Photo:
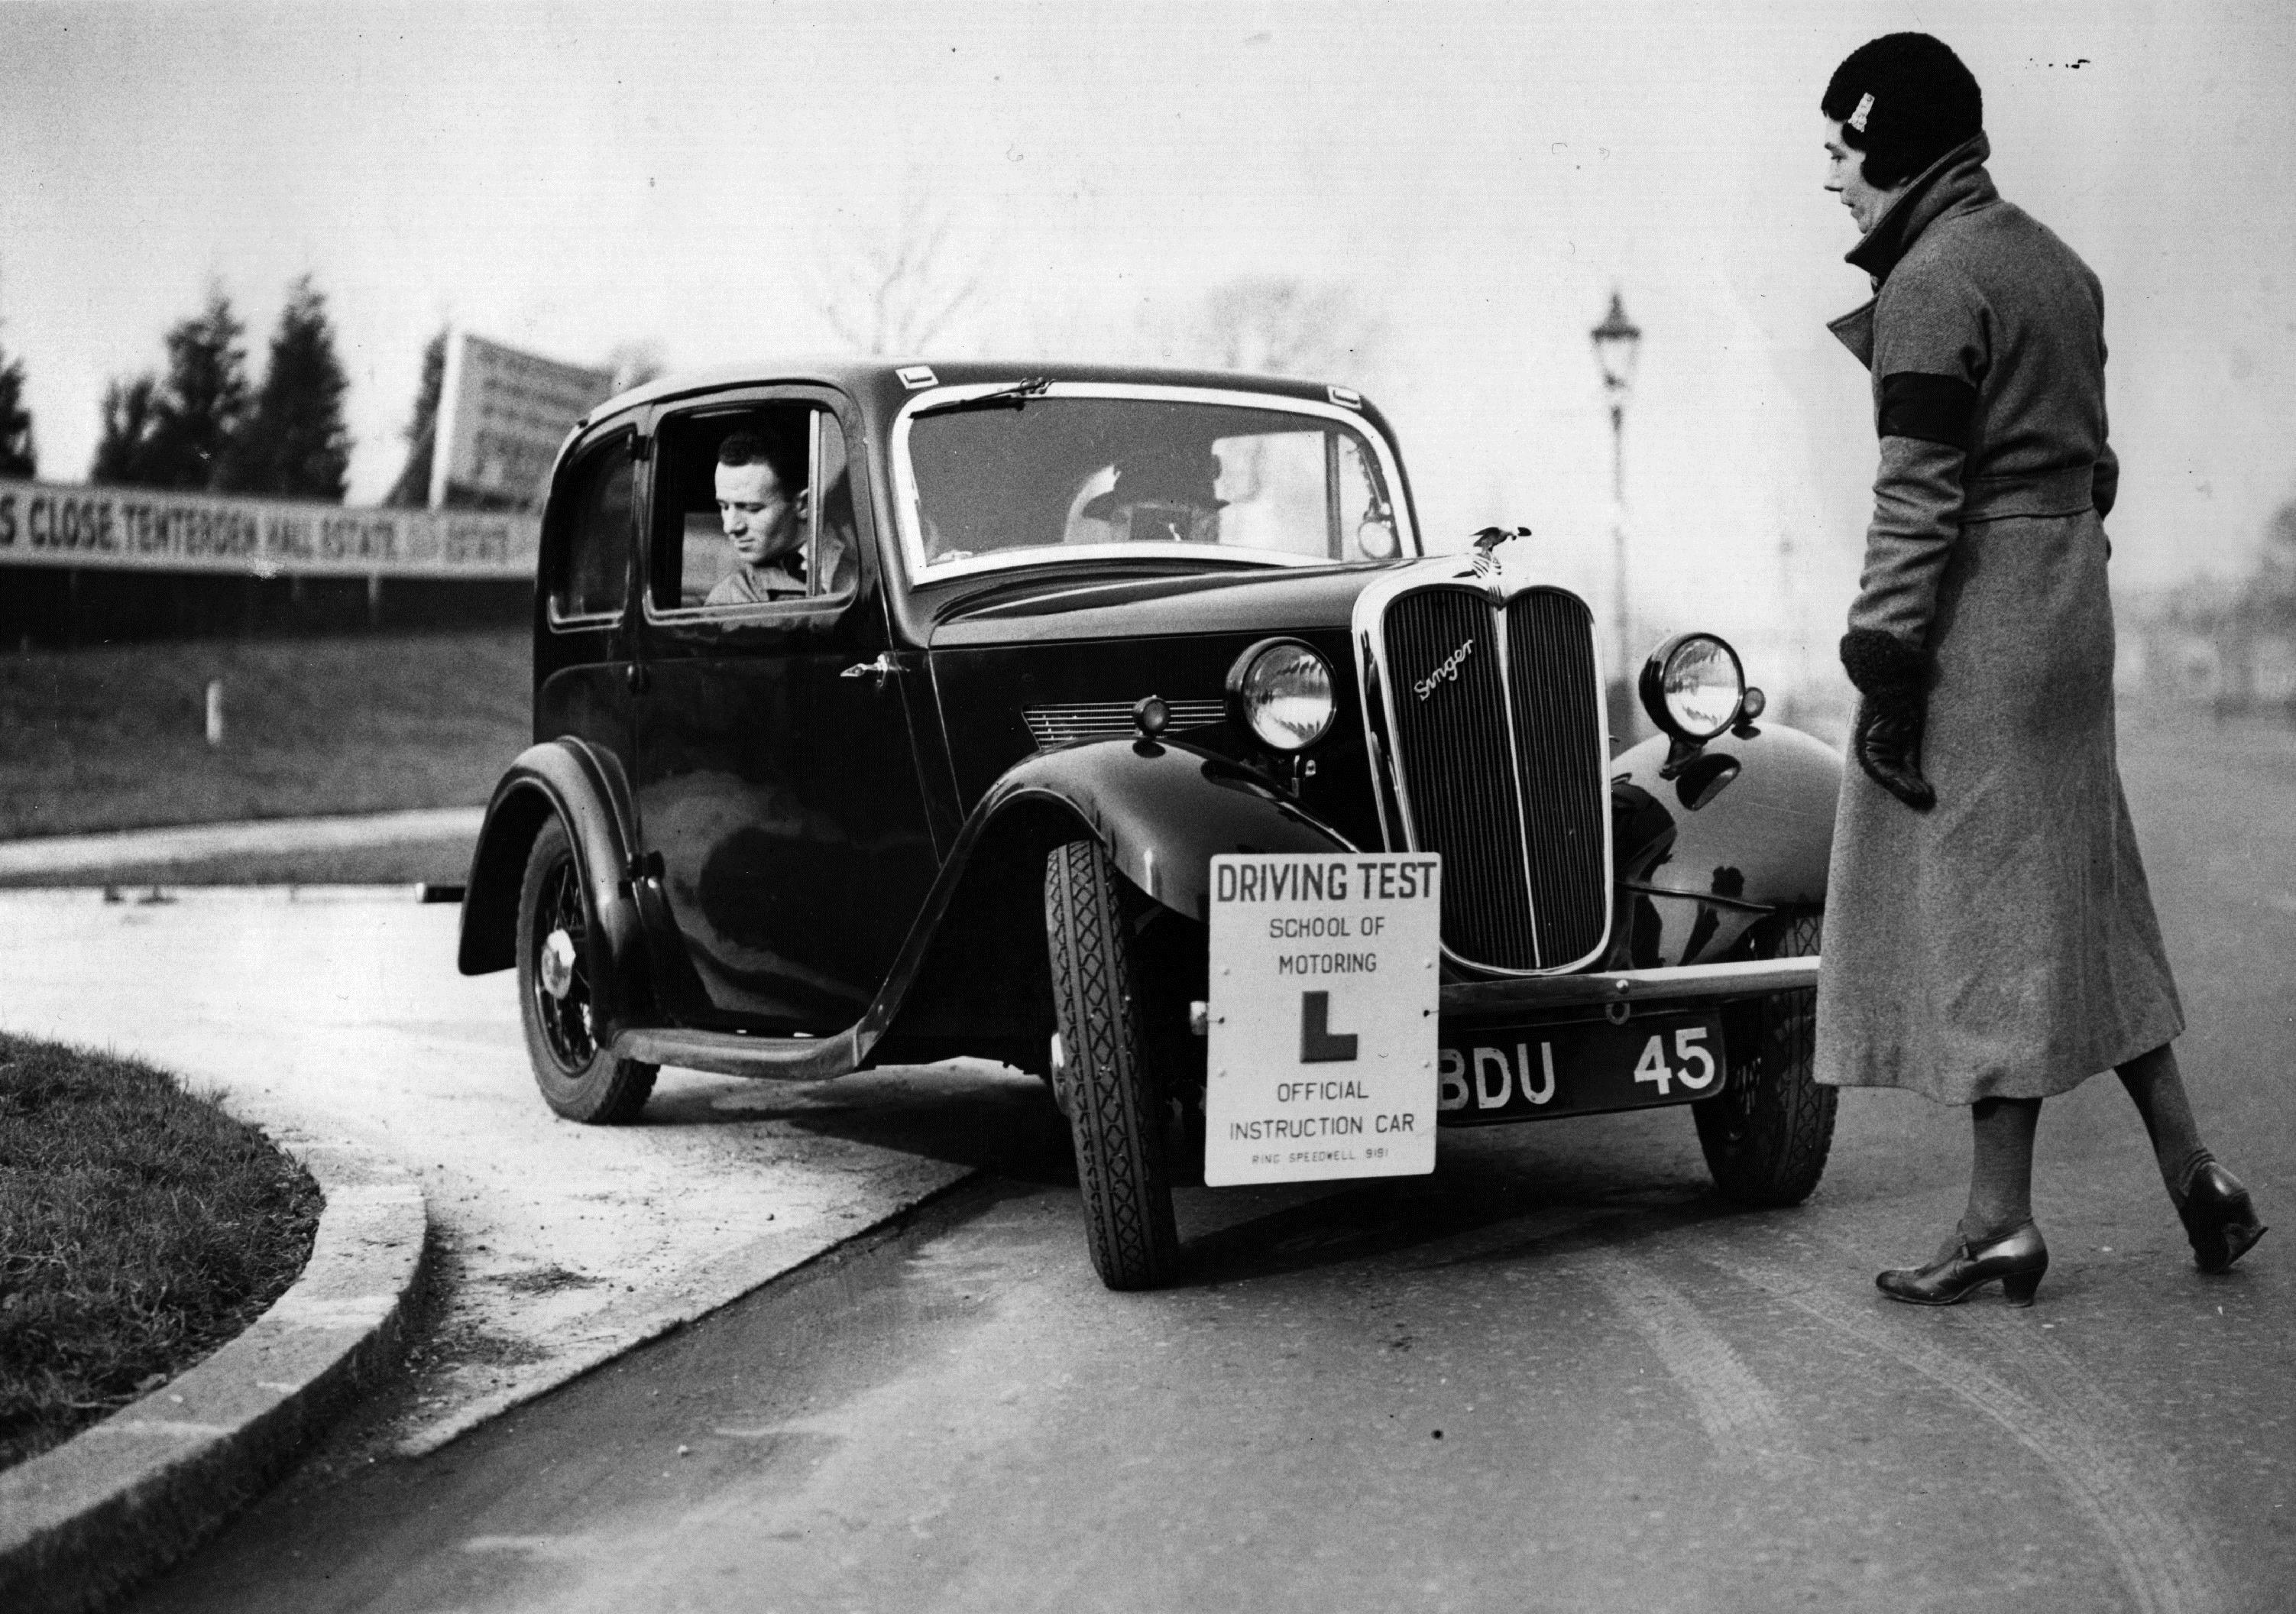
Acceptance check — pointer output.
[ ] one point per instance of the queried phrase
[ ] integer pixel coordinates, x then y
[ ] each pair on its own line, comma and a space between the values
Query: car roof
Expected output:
879, 379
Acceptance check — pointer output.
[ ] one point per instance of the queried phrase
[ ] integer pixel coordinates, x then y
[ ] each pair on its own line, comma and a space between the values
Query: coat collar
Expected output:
1955, 182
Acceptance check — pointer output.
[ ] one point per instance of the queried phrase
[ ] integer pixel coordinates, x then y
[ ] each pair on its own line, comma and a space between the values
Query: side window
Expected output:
753, 507
593, 545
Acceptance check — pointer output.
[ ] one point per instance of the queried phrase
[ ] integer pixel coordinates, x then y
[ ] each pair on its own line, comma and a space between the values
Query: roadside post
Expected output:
1321, 1022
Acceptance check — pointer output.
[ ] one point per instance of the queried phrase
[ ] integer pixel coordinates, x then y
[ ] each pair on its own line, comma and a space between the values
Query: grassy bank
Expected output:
115, 738
140, 1228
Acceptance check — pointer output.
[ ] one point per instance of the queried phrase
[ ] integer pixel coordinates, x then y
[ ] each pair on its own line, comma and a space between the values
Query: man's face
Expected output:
761, 521
1845, 177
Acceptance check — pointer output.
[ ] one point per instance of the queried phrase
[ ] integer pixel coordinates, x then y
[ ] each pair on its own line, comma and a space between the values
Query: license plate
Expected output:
1486, 1073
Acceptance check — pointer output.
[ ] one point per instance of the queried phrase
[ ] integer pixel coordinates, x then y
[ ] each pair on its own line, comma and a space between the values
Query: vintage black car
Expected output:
951, 779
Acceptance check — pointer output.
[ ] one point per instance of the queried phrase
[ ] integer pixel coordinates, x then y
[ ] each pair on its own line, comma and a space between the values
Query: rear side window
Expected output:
753, 506
592, 540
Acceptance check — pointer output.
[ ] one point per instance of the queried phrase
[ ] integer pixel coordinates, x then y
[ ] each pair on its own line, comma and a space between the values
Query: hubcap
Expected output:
558, 964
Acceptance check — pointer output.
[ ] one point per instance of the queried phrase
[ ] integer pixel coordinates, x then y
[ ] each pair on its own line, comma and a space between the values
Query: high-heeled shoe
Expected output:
2218, 1217
2017, 1258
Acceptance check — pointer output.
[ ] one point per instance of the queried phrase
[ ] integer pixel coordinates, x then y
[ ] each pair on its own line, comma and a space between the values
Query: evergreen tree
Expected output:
412, 490
123, 452
17, 455
293, 441
199, 409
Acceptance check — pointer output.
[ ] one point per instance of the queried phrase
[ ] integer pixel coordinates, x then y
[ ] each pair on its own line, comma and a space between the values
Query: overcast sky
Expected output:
573, 178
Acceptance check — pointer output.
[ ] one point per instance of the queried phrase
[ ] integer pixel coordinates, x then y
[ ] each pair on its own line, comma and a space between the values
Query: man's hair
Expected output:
781, 452
745, 449
1922, 103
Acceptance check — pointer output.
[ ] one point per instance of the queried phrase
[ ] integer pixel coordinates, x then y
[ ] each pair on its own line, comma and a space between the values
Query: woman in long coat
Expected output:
1990, 940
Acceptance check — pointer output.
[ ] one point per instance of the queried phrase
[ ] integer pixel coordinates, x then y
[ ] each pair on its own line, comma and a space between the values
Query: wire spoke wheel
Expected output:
557, 976
560, 986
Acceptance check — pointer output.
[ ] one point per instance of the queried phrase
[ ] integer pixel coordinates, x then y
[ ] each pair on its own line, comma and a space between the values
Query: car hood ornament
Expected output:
1486, 557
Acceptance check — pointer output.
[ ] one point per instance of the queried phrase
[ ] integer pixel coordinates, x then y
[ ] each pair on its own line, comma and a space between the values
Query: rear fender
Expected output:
585, 789
1741, 829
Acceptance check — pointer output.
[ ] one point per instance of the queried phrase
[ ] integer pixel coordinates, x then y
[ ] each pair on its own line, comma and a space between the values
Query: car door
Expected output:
777, 798
583, 669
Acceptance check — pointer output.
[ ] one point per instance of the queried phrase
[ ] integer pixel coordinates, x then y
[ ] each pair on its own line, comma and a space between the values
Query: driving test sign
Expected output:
1321, 1019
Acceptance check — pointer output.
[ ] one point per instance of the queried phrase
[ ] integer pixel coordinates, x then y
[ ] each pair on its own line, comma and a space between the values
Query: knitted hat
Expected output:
1905, 100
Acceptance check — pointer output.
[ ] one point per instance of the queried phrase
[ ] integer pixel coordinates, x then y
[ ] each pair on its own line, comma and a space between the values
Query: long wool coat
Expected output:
2002, 943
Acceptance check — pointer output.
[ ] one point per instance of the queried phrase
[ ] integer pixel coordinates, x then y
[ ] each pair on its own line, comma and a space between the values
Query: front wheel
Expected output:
580, 1076
1114, 1100
1766, 1134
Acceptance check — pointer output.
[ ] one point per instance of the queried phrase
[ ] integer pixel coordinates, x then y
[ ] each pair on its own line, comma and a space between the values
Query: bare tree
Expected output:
1279, 325
898, 287
634, 363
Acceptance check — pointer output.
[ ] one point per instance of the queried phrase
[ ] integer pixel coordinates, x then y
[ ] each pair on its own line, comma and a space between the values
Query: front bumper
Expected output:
1634, 988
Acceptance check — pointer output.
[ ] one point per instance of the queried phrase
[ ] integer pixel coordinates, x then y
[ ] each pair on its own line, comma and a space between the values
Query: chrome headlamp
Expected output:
1693, 687
1280, 691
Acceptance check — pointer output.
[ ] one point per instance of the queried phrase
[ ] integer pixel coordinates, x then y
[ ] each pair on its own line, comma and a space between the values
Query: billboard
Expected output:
144, 529
502, 416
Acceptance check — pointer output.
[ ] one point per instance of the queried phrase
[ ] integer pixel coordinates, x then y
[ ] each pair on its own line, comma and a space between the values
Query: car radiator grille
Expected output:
1052, 726
1499, 761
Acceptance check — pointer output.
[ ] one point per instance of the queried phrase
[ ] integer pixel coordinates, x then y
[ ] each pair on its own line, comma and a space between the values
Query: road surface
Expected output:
1556, 1375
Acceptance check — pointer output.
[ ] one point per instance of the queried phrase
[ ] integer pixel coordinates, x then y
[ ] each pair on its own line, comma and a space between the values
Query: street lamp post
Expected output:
1618, 342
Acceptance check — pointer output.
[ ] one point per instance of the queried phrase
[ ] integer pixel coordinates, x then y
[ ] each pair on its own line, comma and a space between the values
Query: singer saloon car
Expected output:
888, 713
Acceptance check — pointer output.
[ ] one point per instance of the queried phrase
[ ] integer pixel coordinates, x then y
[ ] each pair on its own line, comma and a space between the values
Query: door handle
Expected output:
876, 671
637, 679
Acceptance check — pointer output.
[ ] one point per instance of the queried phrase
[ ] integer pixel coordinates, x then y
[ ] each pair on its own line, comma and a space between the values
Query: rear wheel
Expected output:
1115, 1105
1766, 1134
557, 958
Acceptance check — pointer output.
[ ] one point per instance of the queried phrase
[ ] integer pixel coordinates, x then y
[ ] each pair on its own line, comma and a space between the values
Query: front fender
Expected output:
974, 962
585, 789
1743, 827
1163, 810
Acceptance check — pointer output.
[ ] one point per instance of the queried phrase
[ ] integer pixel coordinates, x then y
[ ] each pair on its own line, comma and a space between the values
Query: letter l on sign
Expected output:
1318, 1044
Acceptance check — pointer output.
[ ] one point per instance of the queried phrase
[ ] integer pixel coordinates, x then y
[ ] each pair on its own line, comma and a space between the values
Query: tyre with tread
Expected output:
578, 1075
1117, 1112
1767, 1133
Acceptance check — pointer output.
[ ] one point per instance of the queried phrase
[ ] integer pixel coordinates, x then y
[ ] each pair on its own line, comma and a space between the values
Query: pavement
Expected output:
337, 1014
64, 854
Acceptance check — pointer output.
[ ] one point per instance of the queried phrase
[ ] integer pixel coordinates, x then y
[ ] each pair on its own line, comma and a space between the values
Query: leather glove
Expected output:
1888, 746
1892, 677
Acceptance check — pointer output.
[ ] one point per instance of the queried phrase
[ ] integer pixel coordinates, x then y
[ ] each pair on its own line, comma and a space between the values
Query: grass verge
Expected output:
141, 1227
114, 738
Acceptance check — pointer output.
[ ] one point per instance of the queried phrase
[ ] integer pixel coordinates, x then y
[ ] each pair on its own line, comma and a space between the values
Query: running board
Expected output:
730, 1054
1687, 982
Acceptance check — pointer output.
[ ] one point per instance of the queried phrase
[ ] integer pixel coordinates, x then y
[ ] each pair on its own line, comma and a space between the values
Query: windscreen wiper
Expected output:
1015, 395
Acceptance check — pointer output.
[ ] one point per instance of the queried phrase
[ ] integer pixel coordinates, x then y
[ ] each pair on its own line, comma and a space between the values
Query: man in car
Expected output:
766, 522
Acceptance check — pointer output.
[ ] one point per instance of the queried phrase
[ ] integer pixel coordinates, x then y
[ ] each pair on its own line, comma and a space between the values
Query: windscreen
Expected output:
1049, 475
